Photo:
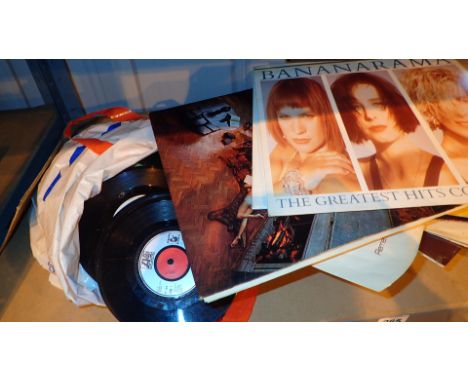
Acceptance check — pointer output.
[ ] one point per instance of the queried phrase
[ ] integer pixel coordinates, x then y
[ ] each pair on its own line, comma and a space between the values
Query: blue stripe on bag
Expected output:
111, 127
73, 157
76, 154
54, 182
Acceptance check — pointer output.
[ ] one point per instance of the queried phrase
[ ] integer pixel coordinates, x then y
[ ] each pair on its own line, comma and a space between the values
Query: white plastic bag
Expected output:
75, 175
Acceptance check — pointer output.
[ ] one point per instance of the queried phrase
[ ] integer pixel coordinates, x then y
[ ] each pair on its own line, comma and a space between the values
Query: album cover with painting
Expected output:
206, 152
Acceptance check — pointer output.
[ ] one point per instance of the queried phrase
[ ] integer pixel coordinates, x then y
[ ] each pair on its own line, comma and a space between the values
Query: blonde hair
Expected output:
428, 86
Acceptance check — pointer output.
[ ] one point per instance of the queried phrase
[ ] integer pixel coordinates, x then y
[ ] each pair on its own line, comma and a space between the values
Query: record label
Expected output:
163, 265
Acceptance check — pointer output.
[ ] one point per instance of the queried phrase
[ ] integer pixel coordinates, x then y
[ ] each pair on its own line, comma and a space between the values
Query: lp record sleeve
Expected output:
143, 179
142, 268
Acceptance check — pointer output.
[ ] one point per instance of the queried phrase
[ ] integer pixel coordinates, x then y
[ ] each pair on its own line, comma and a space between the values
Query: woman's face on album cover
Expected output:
373, 115
452, 111
301, 128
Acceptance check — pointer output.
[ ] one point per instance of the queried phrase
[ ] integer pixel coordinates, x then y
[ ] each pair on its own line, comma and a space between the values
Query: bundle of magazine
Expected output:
339, 166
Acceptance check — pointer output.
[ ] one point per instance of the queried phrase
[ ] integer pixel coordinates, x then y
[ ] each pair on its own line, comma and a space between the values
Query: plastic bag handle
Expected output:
120, 114
115, 113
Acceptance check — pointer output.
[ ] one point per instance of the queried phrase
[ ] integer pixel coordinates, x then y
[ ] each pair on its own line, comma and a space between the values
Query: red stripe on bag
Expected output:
241, 307
120, 114
95, 145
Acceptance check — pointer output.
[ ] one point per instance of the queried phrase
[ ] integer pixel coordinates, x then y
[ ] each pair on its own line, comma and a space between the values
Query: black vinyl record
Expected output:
143, 179
142, 268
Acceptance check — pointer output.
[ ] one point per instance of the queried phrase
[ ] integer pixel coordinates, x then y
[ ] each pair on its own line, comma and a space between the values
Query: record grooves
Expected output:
131, 257
144, 178
131, 245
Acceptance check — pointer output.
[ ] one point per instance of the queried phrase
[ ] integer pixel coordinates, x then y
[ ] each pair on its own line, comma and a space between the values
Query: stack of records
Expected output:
350, 167
340, 166
131, 245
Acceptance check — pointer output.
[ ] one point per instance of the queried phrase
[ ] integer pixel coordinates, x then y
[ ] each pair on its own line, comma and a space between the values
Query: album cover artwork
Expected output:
439, 250
206, 152
362, 135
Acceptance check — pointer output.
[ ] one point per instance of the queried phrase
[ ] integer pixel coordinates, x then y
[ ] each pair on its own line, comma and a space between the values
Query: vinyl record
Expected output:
143, 179
142, 268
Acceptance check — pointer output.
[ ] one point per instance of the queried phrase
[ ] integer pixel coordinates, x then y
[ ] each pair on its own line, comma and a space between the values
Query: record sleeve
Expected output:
206, 152
362, 135
438, 249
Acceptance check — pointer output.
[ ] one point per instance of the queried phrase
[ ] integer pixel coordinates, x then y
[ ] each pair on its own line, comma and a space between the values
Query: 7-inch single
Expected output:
142, 268
144, 178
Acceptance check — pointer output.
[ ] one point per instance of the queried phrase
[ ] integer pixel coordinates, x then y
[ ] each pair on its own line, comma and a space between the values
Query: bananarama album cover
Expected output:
206, 152
361, 135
